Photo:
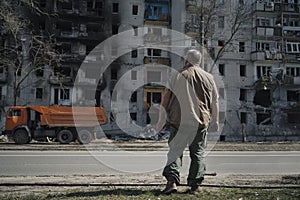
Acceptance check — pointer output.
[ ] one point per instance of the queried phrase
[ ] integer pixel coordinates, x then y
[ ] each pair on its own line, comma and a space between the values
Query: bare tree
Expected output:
27, 50
207, 12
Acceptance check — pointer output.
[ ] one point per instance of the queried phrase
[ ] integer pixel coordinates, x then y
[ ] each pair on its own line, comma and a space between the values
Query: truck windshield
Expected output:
14, 113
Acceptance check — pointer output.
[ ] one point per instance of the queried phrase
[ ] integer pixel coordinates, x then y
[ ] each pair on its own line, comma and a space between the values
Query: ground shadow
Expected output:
107, 192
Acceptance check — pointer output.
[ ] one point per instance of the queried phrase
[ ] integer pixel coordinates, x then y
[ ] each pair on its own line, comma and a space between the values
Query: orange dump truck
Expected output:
65, 124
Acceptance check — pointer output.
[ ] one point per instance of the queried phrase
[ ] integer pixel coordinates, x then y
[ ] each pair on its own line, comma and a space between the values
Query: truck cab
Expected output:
16, 124
15, 117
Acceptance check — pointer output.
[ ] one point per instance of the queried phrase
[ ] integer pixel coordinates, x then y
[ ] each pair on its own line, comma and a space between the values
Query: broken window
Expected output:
293, 95
241, 47
243, 117
94, 5
222, 69
156, 97
221, 43
135, 9
39, 93
134, 53
153, 97
64, 94
242, 70
263, 118
115, 29
293, 47
133, 116
260, 46
263, 71
294, 118
115, 8
263, 98
154, 52
293, 71
243, 95
62, 71
39, 72
133, 97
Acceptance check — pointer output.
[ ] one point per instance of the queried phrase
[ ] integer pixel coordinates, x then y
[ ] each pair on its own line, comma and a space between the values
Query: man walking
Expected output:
191, 104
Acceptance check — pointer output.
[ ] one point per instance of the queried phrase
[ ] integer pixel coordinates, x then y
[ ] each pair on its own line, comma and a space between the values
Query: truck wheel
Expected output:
21, 137
84, 137
65, 136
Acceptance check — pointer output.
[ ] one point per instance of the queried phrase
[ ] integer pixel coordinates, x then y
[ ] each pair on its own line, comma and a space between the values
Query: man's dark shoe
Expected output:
170, 188
194, 189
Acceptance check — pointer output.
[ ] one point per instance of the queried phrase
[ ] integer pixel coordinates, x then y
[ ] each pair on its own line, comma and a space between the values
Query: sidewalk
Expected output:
148, 145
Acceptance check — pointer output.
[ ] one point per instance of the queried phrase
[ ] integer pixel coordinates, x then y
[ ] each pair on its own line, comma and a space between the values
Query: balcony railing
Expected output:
60, 79
151, 37
266, 55
157, 60
72, 57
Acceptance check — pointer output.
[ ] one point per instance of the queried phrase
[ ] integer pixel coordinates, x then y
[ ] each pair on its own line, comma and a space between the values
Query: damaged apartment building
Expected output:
275, 93
76, 27
155, 16
260, 69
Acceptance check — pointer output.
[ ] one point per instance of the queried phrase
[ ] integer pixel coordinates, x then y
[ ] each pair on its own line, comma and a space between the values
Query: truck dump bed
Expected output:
56, 116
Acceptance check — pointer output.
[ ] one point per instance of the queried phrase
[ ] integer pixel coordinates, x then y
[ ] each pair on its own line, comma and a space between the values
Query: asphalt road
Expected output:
38, 163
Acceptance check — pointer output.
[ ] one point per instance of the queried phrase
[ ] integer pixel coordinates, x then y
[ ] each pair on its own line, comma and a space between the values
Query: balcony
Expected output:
67, 33
151, 37
72, 57
263, 31
266, 55
191, 6
57, 80
192, 29
292, 57
290, 80
157, 13
86, 81
157, 60
263, 6
156, 23
289, 7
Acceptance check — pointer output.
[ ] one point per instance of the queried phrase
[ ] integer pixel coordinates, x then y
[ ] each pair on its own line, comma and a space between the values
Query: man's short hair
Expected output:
193, 56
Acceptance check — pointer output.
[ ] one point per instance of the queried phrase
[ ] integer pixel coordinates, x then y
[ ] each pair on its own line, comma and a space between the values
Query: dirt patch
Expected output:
143, 181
